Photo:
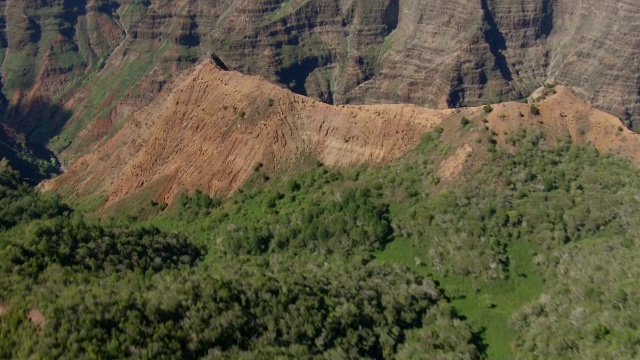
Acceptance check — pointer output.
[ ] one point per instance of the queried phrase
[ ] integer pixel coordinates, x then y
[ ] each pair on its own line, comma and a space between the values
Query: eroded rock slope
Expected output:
212, 129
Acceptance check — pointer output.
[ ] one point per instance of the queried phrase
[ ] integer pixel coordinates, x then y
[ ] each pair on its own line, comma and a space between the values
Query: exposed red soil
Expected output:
209, 129
563, 113
36, 318
452, 166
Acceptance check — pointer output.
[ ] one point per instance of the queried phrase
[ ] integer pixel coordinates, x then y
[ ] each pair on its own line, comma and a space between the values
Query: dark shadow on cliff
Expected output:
72, 10
391, 16
546, 23
22, 158
109, 8
496, 41
295, 75
35, 31
189, 35
457, 91
25, 131
219, 63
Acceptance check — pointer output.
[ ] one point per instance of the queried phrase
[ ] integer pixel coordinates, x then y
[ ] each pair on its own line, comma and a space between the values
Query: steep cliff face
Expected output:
453, 53
75, 69
48, 49
596, 49
437, 53
316, 48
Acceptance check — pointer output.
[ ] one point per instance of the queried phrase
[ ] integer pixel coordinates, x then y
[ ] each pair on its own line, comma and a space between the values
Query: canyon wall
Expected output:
73, 70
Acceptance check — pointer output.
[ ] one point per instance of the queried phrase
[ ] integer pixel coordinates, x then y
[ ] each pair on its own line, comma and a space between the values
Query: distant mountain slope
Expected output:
212, 129
103, 59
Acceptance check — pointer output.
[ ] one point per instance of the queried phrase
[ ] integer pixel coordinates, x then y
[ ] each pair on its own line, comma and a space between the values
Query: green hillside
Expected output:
529, 254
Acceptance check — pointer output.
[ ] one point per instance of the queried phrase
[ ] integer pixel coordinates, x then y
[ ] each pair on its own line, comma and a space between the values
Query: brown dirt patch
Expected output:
564, 114
36, 317
451, 167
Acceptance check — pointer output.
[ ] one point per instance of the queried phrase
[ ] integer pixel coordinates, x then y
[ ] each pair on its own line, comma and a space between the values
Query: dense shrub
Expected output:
534, 109
288, 270
94, 248
306, 311
19, 202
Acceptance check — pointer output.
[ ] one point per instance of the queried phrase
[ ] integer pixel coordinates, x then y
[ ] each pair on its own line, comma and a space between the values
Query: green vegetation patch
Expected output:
529, 255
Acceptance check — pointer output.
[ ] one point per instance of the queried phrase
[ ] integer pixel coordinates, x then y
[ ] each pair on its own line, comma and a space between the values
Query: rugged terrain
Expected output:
215, 127
209, 209
496, 236
69, 63
212, 129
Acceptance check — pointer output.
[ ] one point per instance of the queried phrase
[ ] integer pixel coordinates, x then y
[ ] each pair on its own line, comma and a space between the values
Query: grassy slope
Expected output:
488, 305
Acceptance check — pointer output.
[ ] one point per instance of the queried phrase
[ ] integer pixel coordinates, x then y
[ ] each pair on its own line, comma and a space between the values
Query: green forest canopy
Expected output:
530, 255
